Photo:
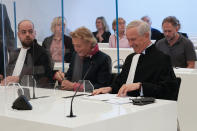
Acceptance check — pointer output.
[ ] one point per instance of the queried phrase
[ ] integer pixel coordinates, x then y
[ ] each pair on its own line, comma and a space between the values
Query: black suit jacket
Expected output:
67, 43
36, 56
154, 71
156, 34
105, 36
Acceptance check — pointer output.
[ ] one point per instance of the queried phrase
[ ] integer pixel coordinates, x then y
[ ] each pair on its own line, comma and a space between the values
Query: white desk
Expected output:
187, 106
49, 114
112, 52
183, 71
103, 45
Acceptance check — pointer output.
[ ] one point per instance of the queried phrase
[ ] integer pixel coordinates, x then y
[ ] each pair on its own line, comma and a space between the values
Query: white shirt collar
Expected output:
143, 52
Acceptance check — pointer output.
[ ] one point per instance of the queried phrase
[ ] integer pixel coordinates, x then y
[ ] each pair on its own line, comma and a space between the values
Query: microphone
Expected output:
71, 103
22, 102
120, 65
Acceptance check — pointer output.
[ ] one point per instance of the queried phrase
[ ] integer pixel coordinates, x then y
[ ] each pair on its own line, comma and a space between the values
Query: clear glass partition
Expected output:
76, 14
22, 59
7, 41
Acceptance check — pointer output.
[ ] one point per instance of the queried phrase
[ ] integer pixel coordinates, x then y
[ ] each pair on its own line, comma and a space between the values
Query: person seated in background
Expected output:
87, 56
30, 59
153, 76
179, 27
102, 34
179, 48
123, 42
155, 34
53, 43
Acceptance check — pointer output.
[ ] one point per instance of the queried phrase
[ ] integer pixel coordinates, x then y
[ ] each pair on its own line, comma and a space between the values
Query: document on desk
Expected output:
110, 98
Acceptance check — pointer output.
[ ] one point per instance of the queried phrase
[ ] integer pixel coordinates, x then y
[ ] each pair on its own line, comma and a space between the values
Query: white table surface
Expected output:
50, 114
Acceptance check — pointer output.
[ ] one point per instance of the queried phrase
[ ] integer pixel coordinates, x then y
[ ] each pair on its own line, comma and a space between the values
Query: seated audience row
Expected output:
104, 36
156, 34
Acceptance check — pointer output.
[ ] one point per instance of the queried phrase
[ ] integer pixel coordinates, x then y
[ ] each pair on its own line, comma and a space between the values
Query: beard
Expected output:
27, 43
171, 38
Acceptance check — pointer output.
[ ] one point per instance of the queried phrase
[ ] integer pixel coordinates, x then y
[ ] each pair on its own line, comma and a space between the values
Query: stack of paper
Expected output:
110, 98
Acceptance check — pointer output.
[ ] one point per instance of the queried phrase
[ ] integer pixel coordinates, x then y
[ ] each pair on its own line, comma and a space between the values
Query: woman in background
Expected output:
123, 42
102, 34
53, 43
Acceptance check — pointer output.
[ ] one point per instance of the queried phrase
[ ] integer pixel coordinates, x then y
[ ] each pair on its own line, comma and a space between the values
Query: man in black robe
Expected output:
154, 75
36, 60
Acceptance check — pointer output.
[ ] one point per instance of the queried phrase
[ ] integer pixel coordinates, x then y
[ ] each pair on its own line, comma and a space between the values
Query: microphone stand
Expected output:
71, 103
34, 96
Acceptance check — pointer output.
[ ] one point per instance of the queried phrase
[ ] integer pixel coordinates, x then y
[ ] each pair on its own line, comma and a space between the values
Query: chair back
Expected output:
187, 105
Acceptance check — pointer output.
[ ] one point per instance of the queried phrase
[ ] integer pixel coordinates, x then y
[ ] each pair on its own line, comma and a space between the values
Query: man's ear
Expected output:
34, 33
177, 28
147, 35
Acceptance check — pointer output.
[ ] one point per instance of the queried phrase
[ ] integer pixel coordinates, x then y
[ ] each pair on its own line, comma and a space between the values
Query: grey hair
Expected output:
142, 27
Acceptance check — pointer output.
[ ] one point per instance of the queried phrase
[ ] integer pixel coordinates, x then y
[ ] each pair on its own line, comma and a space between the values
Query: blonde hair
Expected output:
84, 34
114, 22
57, 20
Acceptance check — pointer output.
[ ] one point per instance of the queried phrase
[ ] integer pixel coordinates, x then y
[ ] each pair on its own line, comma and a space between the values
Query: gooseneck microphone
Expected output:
71, 104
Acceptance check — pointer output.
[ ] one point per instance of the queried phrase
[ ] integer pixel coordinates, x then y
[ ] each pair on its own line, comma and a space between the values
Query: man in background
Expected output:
179, 48
155, 34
